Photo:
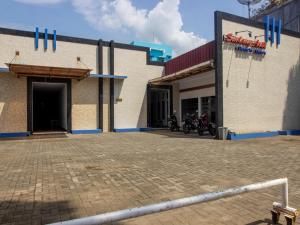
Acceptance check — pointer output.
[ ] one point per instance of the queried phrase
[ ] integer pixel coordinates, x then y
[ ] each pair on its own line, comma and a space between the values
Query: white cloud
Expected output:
39, 2
164, 21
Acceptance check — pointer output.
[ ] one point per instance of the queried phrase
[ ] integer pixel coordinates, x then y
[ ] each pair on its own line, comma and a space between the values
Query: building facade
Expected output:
247, 80
81, 86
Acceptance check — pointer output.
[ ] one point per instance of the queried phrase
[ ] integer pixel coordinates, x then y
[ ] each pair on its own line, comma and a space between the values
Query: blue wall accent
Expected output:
4, 70
267, 25
120, 130
46, 39
289, 132
270, 24
36, 40
278, 34
272, 30
233, 136
54, 40
108, 76
14, 134
96, 131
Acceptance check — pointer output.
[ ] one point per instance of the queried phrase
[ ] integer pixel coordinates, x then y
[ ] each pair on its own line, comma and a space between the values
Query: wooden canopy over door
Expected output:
48, 71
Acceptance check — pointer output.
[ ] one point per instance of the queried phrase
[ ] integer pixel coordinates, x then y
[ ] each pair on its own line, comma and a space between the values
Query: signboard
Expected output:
245, 45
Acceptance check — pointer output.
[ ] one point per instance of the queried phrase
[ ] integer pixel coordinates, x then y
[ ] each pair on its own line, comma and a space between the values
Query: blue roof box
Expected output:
158, 52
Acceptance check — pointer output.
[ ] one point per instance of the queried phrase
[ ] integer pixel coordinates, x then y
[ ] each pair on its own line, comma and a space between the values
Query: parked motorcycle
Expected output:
205, 125
190, 123
173, 125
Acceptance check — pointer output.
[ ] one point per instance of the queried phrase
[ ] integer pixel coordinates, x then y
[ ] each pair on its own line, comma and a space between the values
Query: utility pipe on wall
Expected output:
168, 205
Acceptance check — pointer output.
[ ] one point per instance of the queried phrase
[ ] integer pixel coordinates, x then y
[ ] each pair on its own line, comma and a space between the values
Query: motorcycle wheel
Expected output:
200, 131
212, 131
172, 128
186, 130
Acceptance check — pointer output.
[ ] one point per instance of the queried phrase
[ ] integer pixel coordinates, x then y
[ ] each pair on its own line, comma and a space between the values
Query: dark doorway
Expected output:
188, 107
160, 107
49, 106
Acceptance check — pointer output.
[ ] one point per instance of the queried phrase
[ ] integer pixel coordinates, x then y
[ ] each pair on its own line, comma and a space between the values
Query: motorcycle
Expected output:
190, 123
205, 125
173, 125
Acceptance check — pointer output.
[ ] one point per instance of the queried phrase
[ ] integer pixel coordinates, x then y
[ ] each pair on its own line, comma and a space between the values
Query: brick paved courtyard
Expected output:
55, 179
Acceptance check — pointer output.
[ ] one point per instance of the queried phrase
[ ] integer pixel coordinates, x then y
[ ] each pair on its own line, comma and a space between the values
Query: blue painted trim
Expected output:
54, 40
36, 40
4, 70
108, 76
266, 25
233, 136
272, 30
96, 131
289, 132
278, 34
46, 39
14, 134
121, 130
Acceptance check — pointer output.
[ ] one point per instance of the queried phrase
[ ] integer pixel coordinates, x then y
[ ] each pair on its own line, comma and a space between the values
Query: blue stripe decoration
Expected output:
108, 76
54, 40
4, 70
123, 130
289, 132
233, 136
14, 134
36, 40
95, 131
278, 32
272, 30
46, 39
267, 25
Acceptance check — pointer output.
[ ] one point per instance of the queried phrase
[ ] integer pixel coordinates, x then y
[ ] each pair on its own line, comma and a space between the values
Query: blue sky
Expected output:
184, 24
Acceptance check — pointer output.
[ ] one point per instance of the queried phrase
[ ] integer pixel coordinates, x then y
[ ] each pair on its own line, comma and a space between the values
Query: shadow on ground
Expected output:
260, 222
23, 212
180, 134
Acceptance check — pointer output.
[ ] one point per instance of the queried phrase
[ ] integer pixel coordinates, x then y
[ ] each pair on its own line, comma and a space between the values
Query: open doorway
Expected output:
49, 106
160, 107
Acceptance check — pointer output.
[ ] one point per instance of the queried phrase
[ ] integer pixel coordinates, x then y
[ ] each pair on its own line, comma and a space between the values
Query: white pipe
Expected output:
168, 205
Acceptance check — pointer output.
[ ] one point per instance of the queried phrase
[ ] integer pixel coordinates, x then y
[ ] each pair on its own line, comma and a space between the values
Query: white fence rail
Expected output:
168, 205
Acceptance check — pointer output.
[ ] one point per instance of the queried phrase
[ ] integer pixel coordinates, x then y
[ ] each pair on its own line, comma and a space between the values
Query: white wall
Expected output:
195, 81
261, 93
131, 112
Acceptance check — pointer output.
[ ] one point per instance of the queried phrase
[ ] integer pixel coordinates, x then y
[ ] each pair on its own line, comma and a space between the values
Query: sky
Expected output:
183, 24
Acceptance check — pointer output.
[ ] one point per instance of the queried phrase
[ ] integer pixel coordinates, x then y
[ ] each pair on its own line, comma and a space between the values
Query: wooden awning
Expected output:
47, 71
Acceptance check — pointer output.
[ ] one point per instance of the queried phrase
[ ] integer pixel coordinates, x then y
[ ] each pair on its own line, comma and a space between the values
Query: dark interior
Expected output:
159, 108
49, 107
188, 107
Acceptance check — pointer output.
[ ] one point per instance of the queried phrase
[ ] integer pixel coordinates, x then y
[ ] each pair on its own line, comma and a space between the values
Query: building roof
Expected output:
192, 58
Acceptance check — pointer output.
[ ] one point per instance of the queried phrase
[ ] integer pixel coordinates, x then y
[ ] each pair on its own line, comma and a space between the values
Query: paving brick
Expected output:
56, 179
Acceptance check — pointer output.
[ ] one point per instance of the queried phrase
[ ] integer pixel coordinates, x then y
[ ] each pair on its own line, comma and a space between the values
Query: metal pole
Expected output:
168, 205
285, 195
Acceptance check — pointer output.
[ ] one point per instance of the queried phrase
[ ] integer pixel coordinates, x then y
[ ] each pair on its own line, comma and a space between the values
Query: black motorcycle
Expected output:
190, 123
173, 125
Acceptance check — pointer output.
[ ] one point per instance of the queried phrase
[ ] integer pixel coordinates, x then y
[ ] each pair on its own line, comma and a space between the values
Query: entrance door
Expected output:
49, 104
160, 107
